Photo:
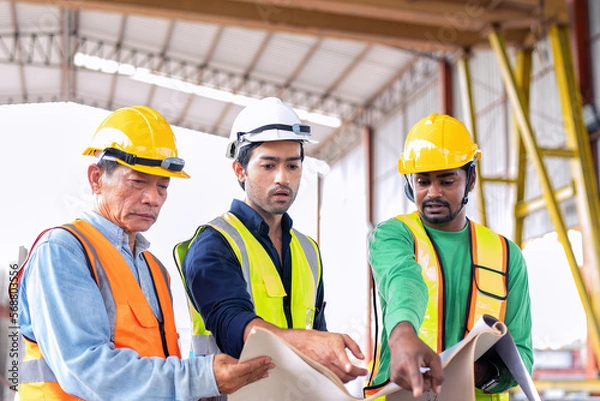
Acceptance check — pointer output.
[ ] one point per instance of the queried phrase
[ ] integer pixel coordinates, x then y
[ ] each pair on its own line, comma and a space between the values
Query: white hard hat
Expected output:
267, 120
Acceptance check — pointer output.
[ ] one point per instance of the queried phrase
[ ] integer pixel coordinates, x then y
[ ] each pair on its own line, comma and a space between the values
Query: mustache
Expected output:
281, 188
429, 202
153, 213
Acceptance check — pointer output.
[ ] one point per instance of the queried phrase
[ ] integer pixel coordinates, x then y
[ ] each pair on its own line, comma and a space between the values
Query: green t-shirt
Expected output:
403, 293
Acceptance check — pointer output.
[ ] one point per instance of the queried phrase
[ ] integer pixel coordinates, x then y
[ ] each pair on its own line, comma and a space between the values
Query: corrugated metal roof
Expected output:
156, 53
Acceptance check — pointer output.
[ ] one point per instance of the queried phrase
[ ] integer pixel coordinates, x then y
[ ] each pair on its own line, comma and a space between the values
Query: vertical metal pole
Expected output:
469, 110
367, 139
523, 79
530, 142
445, 87
582, 167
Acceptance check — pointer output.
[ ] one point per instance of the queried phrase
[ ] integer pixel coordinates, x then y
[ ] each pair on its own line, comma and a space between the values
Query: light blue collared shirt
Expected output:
61, 309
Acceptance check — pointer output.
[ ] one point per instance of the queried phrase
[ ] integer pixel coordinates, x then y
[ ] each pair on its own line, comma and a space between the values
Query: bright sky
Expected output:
45, 185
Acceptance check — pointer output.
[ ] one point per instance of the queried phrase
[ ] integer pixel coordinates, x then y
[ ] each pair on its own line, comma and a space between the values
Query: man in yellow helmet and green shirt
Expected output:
249, 267
96, 310
437, 271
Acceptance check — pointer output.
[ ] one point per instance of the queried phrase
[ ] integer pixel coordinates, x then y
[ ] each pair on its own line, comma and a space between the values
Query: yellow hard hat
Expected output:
437, 142
140, 138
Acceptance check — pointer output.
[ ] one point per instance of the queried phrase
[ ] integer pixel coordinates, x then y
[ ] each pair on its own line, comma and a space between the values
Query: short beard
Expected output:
440, 220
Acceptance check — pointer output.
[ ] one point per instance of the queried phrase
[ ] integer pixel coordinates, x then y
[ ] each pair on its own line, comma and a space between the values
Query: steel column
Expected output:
534, 153
469, 110
445, 87
369, 149
523, 79
582, 167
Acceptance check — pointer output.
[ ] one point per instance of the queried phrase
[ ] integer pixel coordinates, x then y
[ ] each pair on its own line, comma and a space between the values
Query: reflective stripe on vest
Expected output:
202, 341
488, 289
426, 256
251, 255
262, 278
133, 323
480, 395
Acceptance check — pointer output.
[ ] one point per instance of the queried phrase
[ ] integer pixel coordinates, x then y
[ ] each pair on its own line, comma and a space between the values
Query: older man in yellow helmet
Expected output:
437, 271
96, 311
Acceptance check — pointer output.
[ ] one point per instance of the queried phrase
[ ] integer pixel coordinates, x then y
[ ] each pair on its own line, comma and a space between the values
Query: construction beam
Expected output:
430, 12
463, 27
523, 80
580, 39
469, 111
445, 85
202, 74
368, 142
527, 135
582, 167
524, 208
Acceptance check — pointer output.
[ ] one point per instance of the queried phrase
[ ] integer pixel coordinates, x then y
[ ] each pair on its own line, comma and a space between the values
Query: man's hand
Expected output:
408, 355
231, 375
329, 349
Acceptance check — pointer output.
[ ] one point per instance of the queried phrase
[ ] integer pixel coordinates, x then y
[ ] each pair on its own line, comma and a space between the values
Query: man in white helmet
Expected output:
248, 267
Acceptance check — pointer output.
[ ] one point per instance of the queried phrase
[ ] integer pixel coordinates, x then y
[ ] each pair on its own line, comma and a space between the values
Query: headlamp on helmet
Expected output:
140, 138
174, 164
266, 120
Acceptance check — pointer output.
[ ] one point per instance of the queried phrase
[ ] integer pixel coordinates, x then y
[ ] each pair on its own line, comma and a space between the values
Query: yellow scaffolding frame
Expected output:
523, 80
469, 110
581, 165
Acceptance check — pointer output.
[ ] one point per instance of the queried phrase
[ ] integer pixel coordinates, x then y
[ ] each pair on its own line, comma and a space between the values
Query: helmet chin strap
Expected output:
465, 199
470, 172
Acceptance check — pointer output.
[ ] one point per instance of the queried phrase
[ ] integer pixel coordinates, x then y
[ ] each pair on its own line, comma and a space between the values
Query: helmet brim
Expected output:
159, 171
280, 135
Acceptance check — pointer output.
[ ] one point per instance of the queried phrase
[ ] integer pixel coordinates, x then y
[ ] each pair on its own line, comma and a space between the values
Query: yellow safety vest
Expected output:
135, 325
263, 282
489, 287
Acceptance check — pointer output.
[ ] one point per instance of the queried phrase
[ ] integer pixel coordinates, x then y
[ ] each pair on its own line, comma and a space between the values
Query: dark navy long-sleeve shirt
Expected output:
214, 276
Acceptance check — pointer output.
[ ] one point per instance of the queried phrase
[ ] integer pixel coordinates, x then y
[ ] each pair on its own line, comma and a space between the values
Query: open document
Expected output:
299, 378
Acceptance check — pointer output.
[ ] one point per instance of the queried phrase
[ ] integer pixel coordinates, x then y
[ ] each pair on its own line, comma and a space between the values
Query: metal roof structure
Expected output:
197, 62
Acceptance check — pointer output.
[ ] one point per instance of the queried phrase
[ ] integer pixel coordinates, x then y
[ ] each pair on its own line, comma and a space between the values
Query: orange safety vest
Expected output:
488, 291
135, 325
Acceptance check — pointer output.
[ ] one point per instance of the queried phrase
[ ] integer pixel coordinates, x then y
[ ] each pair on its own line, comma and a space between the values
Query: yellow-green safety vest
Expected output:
489, 286
262, 279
